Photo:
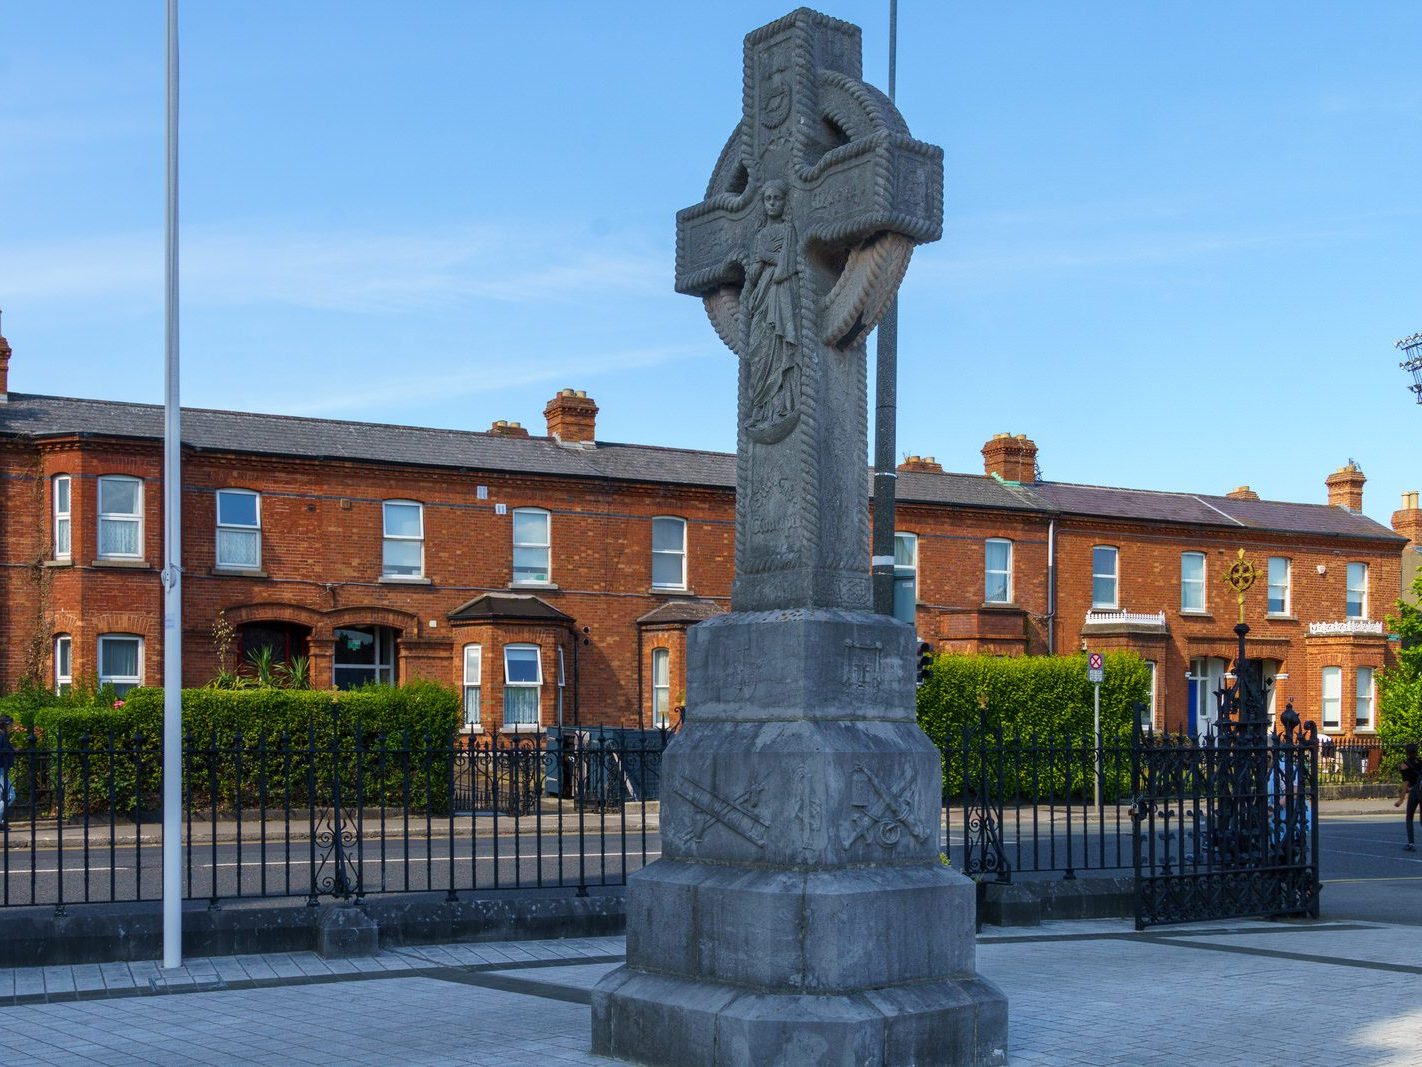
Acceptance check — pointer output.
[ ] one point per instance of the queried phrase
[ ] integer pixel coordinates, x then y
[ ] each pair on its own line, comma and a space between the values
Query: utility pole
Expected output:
172, 545
1411, 348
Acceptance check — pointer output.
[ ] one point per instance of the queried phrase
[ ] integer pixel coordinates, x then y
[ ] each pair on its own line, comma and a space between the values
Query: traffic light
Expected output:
925, 661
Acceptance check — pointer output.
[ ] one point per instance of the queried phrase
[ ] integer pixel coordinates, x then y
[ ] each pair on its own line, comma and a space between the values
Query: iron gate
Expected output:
1224, 823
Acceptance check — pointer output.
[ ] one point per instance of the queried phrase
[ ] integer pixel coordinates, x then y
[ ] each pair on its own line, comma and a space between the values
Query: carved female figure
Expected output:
772, 300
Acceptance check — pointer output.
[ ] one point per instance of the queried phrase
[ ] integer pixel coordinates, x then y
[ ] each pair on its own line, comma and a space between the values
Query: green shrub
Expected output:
249, 746
1041, 706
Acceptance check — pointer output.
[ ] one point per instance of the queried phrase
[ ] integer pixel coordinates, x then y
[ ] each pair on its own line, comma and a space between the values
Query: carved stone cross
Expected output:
804, 236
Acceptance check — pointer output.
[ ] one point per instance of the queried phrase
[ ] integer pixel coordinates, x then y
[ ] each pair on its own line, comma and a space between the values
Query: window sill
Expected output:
59, 563
671, 590
123, 564
466, 730
400, 579
550, 586
1272, 617
237, 572
1001, 605
1367, 731
522, 728
1196, 614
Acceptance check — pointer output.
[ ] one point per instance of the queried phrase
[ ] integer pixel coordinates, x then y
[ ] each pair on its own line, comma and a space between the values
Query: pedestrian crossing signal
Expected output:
925, 661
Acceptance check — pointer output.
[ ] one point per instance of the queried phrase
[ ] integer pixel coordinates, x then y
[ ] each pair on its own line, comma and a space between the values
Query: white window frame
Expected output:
63, 524
1197, 584
1331, 698
135, 517
387, 539
1114, 574
1148, 719
906, 574
63, 663
1365, 709
1286, 565
1361, 589
546, 546
235, 529
127, 681
386, 660
668, 553
536, 686
561, 690
989, 570
661, 688
473, 685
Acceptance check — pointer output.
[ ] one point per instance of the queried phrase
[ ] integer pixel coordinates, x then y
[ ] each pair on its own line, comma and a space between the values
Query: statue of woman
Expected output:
772, 299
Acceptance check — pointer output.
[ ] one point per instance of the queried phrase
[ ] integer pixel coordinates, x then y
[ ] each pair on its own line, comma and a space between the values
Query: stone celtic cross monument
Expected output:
800, 913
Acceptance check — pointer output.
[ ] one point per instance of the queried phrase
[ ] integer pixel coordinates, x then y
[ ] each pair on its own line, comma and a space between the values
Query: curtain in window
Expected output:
118, 537
521, 705
238, 548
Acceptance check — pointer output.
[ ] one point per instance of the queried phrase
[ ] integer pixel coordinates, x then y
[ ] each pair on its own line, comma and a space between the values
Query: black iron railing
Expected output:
342, 814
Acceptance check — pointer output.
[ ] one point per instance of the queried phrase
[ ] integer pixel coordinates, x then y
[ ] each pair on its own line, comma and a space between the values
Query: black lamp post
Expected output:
1412, 349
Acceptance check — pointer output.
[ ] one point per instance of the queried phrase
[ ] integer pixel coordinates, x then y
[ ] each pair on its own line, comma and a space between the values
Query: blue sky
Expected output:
1179, 241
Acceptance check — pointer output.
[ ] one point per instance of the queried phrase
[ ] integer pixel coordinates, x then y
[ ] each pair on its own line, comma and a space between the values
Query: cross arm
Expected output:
711, 239
887, 182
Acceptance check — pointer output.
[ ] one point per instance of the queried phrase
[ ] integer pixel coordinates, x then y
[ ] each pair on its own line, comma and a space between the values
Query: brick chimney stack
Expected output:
1011, 458
504, 428
1345, 487
572, 417
1408, 520
920, 465
5, 353
1242, 492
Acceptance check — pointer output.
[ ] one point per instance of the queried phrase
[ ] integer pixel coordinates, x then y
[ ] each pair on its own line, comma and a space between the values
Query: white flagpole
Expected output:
172, 549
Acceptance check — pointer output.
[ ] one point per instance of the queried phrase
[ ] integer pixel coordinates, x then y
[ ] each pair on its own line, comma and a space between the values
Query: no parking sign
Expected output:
1095, 668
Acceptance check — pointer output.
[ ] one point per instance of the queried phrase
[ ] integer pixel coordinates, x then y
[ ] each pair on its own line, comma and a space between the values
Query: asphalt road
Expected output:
1366, 873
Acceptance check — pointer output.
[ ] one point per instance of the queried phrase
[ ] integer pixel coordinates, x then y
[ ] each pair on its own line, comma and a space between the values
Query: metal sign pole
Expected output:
1096, 701
172, 547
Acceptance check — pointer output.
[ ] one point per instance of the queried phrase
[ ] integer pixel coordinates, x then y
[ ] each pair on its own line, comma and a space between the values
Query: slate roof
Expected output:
507, 606
308, 438
682, 610
1199, 509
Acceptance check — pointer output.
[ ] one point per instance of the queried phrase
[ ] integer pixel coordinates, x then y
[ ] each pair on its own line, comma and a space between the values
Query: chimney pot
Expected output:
1345, 487
572, 417
1408, 521
1242, 492
920, 465
504, 428
1011, 458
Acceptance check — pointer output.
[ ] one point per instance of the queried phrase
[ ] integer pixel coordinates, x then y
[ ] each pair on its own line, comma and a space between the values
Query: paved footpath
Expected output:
1246, 993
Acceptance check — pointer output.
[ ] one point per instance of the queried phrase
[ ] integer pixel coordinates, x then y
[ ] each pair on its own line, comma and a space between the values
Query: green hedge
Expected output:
1043, 707
275, 729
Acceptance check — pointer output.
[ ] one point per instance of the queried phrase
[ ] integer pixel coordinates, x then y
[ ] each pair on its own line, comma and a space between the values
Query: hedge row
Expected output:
383, 744
1042, 707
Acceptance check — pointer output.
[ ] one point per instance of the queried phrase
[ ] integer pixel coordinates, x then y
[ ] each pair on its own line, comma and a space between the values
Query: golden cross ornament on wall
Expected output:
1240, 577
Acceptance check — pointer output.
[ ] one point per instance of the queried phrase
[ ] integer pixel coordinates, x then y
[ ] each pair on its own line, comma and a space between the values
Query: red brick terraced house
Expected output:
552, 577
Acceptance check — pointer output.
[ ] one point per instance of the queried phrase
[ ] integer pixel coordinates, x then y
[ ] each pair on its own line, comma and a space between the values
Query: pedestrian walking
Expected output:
1411, 791
7, 763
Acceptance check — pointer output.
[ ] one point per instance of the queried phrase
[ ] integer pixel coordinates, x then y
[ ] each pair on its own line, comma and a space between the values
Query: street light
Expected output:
1412, 348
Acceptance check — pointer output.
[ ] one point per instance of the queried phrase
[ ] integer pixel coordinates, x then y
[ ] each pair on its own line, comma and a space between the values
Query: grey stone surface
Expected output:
800, 914
346, 931
809, 219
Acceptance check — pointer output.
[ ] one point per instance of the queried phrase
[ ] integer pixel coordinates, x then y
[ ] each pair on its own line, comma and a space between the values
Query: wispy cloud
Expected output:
376, 273
492, 378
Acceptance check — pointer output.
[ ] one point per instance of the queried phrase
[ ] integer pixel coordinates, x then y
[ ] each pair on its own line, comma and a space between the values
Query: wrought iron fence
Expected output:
343, 814
1045, 803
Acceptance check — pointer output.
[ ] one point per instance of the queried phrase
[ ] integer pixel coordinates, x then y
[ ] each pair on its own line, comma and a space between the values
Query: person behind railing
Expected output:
7, 764
1411, 771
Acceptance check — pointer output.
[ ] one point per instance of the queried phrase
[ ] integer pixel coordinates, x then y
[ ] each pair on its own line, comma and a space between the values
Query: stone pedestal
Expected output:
800, 913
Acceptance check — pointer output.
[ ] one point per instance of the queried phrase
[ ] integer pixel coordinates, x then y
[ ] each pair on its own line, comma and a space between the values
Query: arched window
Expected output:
532, 546
239, 529
121, 661
661, 688
668, 553
62, 528
120, 517
997, 571
473, 684
63, 663
523, 686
